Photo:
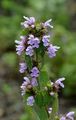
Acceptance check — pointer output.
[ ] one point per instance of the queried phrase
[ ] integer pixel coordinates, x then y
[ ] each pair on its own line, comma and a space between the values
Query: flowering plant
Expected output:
37, 89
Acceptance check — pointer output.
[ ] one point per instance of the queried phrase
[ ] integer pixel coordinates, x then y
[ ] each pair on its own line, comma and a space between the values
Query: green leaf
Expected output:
54, 107
28, 61
43, 79
41, 112
47, 99
39, 99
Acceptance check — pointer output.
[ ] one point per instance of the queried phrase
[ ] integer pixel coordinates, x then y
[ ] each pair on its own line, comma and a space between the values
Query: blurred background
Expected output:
63, 14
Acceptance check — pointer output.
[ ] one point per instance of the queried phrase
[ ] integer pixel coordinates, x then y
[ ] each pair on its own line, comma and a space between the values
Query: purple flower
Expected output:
47, 24
23, 38
20, 45
70, 115
45, 40
34, 82
29, 22
63, 118
23, 67
34, 41
34, 72
29, 51
24, 85
30, 101
59, 82
52, 50
31, 39
27, 80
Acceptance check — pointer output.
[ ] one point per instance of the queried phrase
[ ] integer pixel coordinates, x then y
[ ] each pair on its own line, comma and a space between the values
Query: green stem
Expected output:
54, 108
41, 112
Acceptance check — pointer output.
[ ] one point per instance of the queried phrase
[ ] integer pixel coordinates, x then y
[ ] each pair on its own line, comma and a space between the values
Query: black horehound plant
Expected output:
38, 91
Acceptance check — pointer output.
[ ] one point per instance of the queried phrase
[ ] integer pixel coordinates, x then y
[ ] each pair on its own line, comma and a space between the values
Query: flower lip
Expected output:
51, 50
47, 24
70, 115
59, 82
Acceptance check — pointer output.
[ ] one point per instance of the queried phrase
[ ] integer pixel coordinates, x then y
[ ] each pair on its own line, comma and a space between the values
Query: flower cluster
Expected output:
31, 42
29, 83
36, 40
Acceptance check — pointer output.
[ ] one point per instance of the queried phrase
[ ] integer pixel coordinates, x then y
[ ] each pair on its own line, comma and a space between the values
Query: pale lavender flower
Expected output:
23, 38
59, 82
52, 50
24, 85
29, 51
70, 115
20, 45
34, 72
36, 43
47, 24
29, 22
63, 118
23, 67
34, 82
27, 80
30, 101
45, 40
33, 41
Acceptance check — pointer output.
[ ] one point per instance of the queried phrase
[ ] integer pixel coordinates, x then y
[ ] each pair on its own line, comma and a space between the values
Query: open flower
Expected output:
45, 40
59, 82
47, 24
70, 115
24, 85
34, 82
23, 67
29, 22
29, 51
34, 72
20, 45
52, 50
33, 41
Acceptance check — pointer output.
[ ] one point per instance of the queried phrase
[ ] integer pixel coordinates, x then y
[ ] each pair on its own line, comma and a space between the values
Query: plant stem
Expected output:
41, 112
54, 107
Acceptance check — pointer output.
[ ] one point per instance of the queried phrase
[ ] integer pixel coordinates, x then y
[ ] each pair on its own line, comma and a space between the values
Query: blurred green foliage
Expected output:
11, 12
